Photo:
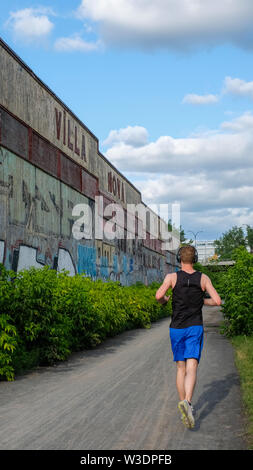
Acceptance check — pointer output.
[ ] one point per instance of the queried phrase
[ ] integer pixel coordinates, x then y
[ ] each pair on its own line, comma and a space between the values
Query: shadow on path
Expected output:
215, 392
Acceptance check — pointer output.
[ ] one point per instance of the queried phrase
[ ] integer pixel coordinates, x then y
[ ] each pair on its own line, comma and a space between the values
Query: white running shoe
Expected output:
187, 413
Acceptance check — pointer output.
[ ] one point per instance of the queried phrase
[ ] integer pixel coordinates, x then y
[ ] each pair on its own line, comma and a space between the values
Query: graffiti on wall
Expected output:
88, 263
107, 266
26, 257
37, 218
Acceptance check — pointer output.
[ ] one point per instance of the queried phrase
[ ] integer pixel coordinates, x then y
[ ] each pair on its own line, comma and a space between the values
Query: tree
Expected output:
228, 242
249, 237
182, 234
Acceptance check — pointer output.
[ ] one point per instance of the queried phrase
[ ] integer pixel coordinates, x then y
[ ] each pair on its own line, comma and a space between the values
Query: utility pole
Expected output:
195, 235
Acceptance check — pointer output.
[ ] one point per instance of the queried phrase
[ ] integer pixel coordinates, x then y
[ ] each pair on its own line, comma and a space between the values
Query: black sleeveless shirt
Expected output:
187, 300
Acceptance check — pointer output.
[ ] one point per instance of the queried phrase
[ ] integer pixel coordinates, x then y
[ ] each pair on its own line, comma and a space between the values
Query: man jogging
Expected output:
186, 328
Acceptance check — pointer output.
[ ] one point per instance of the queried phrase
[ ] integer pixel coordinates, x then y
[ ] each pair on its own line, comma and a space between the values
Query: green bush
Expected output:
8, 332
45, 315
216, 274
237, 289
7, 346
34, 311
146, 307
77, 299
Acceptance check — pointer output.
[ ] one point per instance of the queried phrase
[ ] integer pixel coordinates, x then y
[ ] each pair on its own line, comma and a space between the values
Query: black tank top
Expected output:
187, 300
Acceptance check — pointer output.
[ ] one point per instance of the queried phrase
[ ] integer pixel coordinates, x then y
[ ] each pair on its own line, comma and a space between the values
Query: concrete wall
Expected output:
49, 163
27, 98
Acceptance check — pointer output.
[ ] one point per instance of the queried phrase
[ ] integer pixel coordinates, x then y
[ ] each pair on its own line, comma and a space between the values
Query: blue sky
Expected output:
166, 86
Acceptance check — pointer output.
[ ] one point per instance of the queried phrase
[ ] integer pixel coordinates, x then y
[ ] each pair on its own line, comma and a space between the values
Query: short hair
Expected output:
187, 254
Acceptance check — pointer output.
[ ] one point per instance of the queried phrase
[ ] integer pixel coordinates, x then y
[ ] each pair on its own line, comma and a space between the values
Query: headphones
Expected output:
195, 259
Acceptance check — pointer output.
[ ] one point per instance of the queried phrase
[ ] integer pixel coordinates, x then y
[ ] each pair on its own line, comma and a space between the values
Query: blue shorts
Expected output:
187, 343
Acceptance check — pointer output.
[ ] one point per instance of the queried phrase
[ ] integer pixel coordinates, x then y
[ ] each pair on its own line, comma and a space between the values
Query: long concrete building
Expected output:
50, 164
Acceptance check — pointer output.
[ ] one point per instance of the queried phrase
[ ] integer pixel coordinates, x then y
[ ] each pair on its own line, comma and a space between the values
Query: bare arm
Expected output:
160, 294
208, 286
210, 302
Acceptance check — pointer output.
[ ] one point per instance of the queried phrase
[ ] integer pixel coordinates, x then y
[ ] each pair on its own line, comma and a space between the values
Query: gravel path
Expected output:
122, 395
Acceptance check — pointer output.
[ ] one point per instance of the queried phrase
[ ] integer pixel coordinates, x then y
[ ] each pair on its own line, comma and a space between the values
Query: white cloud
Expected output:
200, 99
75, 43
136, 136
196, 192
176, 24
205, 202
31, 24
186, 154
214, 222
233, 86
238, 87
240, 124
210, 175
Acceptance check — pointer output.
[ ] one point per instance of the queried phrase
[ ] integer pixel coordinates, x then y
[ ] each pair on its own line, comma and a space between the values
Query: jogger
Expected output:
186, 328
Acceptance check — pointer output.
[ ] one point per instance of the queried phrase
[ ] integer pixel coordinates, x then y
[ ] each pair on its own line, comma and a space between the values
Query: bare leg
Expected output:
181, 379
190, 378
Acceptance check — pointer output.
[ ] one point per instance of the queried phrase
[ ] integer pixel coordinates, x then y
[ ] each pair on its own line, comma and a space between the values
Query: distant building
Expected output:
206, 250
